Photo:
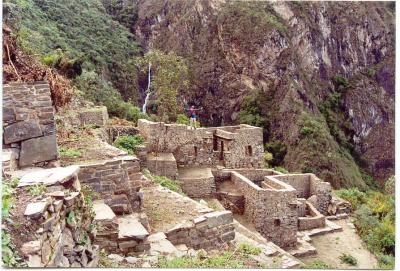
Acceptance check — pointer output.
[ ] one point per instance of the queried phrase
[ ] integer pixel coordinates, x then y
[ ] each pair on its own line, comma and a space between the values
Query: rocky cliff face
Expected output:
323, 71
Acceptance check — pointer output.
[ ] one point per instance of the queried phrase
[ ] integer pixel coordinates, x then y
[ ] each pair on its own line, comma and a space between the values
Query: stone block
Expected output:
94, 116
38, 150
21, 130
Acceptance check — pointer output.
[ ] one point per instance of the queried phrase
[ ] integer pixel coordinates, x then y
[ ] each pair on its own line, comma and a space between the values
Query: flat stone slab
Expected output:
36, 208
130, 227
102, 211
163, 247
37, 150
156, 237
49, 176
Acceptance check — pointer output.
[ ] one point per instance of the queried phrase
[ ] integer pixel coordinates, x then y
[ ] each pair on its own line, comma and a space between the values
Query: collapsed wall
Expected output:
63, 219
28, 122
209, 231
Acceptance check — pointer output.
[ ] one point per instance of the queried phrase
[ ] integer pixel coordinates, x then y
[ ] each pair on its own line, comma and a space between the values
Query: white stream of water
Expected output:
147, 92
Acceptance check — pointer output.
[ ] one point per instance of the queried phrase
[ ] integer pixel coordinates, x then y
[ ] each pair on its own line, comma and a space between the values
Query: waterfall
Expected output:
147, 91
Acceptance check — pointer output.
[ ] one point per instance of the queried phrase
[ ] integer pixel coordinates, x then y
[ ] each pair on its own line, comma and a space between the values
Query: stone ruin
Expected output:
226, 163
29, 132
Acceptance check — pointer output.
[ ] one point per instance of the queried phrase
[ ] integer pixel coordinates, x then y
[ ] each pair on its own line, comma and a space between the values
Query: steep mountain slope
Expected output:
324, 72
80, 34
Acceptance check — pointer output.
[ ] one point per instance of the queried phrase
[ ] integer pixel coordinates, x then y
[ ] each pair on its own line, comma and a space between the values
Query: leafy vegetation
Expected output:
169, 78
348, 259
249, 249
37, 189
317, 264
278, 150
375, 221
168, 183
79, 39
9, 255
182, 119
69, 152
129, 143
7, 198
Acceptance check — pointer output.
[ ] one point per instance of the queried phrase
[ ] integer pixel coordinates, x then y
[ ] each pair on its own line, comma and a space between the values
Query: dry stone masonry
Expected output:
65, 234
28, 122
118, 182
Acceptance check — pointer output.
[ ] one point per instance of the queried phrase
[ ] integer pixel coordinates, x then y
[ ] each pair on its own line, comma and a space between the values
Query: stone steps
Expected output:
329, 228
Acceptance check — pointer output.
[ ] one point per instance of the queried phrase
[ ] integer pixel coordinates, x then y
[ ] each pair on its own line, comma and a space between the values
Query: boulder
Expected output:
37, 150
21, 130
102, 211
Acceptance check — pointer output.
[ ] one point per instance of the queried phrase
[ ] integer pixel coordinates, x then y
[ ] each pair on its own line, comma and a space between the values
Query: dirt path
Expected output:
332, 245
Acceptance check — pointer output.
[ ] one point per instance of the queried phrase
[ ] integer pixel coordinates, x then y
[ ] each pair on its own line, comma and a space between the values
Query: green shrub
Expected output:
37, 189
317, 264
390, 185
386, 261
182, 119
353, 195
268, 157
51, 60
129, 143
348, 259
7, 196
278, 150
249, 249
70, 153
9, 255
340, 82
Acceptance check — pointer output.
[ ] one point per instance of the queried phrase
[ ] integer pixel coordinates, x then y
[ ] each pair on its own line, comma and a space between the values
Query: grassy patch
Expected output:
317, 264
237, 258
168, 183
348, 259
69, 152
281, 170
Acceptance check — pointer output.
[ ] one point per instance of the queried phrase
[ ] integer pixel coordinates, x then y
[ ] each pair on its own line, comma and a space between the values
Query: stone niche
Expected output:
28, 122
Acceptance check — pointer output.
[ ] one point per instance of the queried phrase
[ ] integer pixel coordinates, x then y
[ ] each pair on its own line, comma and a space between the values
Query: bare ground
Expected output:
331, 246
166, 209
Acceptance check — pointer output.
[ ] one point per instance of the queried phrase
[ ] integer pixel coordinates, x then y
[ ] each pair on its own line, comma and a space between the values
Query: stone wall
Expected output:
117, 180
257, 175
85, 116
209, 231
63, 220
162, 164
308, 185
28, 122
272, 210
197, 182
313, 220
232, 146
